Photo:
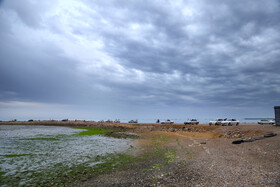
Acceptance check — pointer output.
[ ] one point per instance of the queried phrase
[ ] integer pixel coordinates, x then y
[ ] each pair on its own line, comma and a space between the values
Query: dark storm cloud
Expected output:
180, 53
34, 74
235, 39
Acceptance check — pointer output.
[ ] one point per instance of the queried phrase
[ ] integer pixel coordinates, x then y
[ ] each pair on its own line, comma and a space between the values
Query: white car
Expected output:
230, 122
266, 122
167, 122
272, 122
192, 122
217, 121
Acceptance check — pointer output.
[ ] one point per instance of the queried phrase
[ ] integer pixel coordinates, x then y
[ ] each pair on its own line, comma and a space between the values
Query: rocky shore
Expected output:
205, 156
186, 155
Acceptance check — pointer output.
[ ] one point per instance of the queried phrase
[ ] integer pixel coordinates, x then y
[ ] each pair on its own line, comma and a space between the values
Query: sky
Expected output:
139, 59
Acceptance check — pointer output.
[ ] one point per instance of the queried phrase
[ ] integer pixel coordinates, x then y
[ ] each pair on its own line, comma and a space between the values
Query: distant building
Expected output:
277, 115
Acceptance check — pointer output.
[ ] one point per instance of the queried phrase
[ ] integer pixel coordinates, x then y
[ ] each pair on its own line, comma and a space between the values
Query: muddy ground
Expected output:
199, 155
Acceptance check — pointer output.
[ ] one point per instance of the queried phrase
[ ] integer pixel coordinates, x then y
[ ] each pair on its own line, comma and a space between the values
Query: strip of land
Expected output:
190, 155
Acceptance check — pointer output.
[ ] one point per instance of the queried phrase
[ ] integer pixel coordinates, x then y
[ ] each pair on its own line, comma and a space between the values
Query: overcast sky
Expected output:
91, 59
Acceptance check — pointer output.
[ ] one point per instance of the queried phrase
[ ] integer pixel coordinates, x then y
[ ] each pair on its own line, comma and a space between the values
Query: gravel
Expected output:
215, 161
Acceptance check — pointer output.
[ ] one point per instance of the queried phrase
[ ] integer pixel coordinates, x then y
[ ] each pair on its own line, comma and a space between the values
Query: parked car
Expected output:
230, 122
117, 121
266, 122
192, 122
133, 121
167, 122
272, 122
217, 121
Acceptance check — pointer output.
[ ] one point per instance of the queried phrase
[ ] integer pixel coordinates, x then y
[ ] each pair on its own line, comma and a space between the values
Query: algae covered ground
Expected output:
48, 156
154, 156
59, 156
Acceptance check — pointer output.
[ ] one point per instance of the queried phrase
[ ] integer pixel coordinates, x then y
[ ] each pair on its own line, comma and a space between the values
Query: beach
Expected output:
187, 155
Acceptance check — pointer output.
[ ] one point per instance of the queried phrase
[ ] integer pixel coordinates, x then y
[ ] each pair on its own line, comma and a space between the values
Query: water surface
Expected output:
27, 149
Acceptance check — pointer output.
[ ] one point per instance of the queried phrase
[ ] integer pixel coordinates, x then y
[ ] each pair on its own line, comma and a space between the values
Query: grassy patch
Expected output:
170, 156
163, 139
165, 155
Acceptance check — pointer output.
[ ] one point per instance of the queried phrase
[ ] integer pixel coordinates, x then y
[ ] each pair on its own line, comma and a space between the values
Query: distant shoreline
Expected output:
132, 126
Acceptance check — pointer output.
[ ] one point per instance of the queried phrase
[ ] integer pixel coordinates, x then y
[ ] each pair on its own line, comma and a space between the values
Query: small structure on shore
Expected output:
277, 115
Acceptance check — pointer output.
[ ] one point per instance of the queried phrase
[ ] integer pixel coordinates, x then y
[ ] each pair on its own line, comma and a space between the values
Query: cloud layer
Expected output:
142, 58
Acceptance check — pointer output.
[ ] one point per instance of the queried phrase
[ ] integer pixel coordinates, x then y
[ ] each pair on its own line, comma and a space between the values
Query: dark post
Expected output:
277, 115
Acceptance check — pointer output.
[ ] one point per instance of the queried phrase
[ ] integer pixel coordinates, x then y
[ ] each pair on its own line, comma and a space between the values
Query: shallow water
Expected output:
35, 148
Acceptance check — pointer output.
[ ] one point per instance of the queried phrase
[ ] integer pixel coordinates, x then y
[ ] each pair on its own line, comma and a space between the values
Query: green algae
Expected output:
61, 175
42, 138
2, 177
16, 155
89, 131
92, 131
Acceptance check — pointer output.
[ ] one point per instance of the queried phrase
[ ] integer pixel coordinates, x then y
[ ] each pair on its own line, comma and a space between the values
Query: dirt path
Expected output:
225, 164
